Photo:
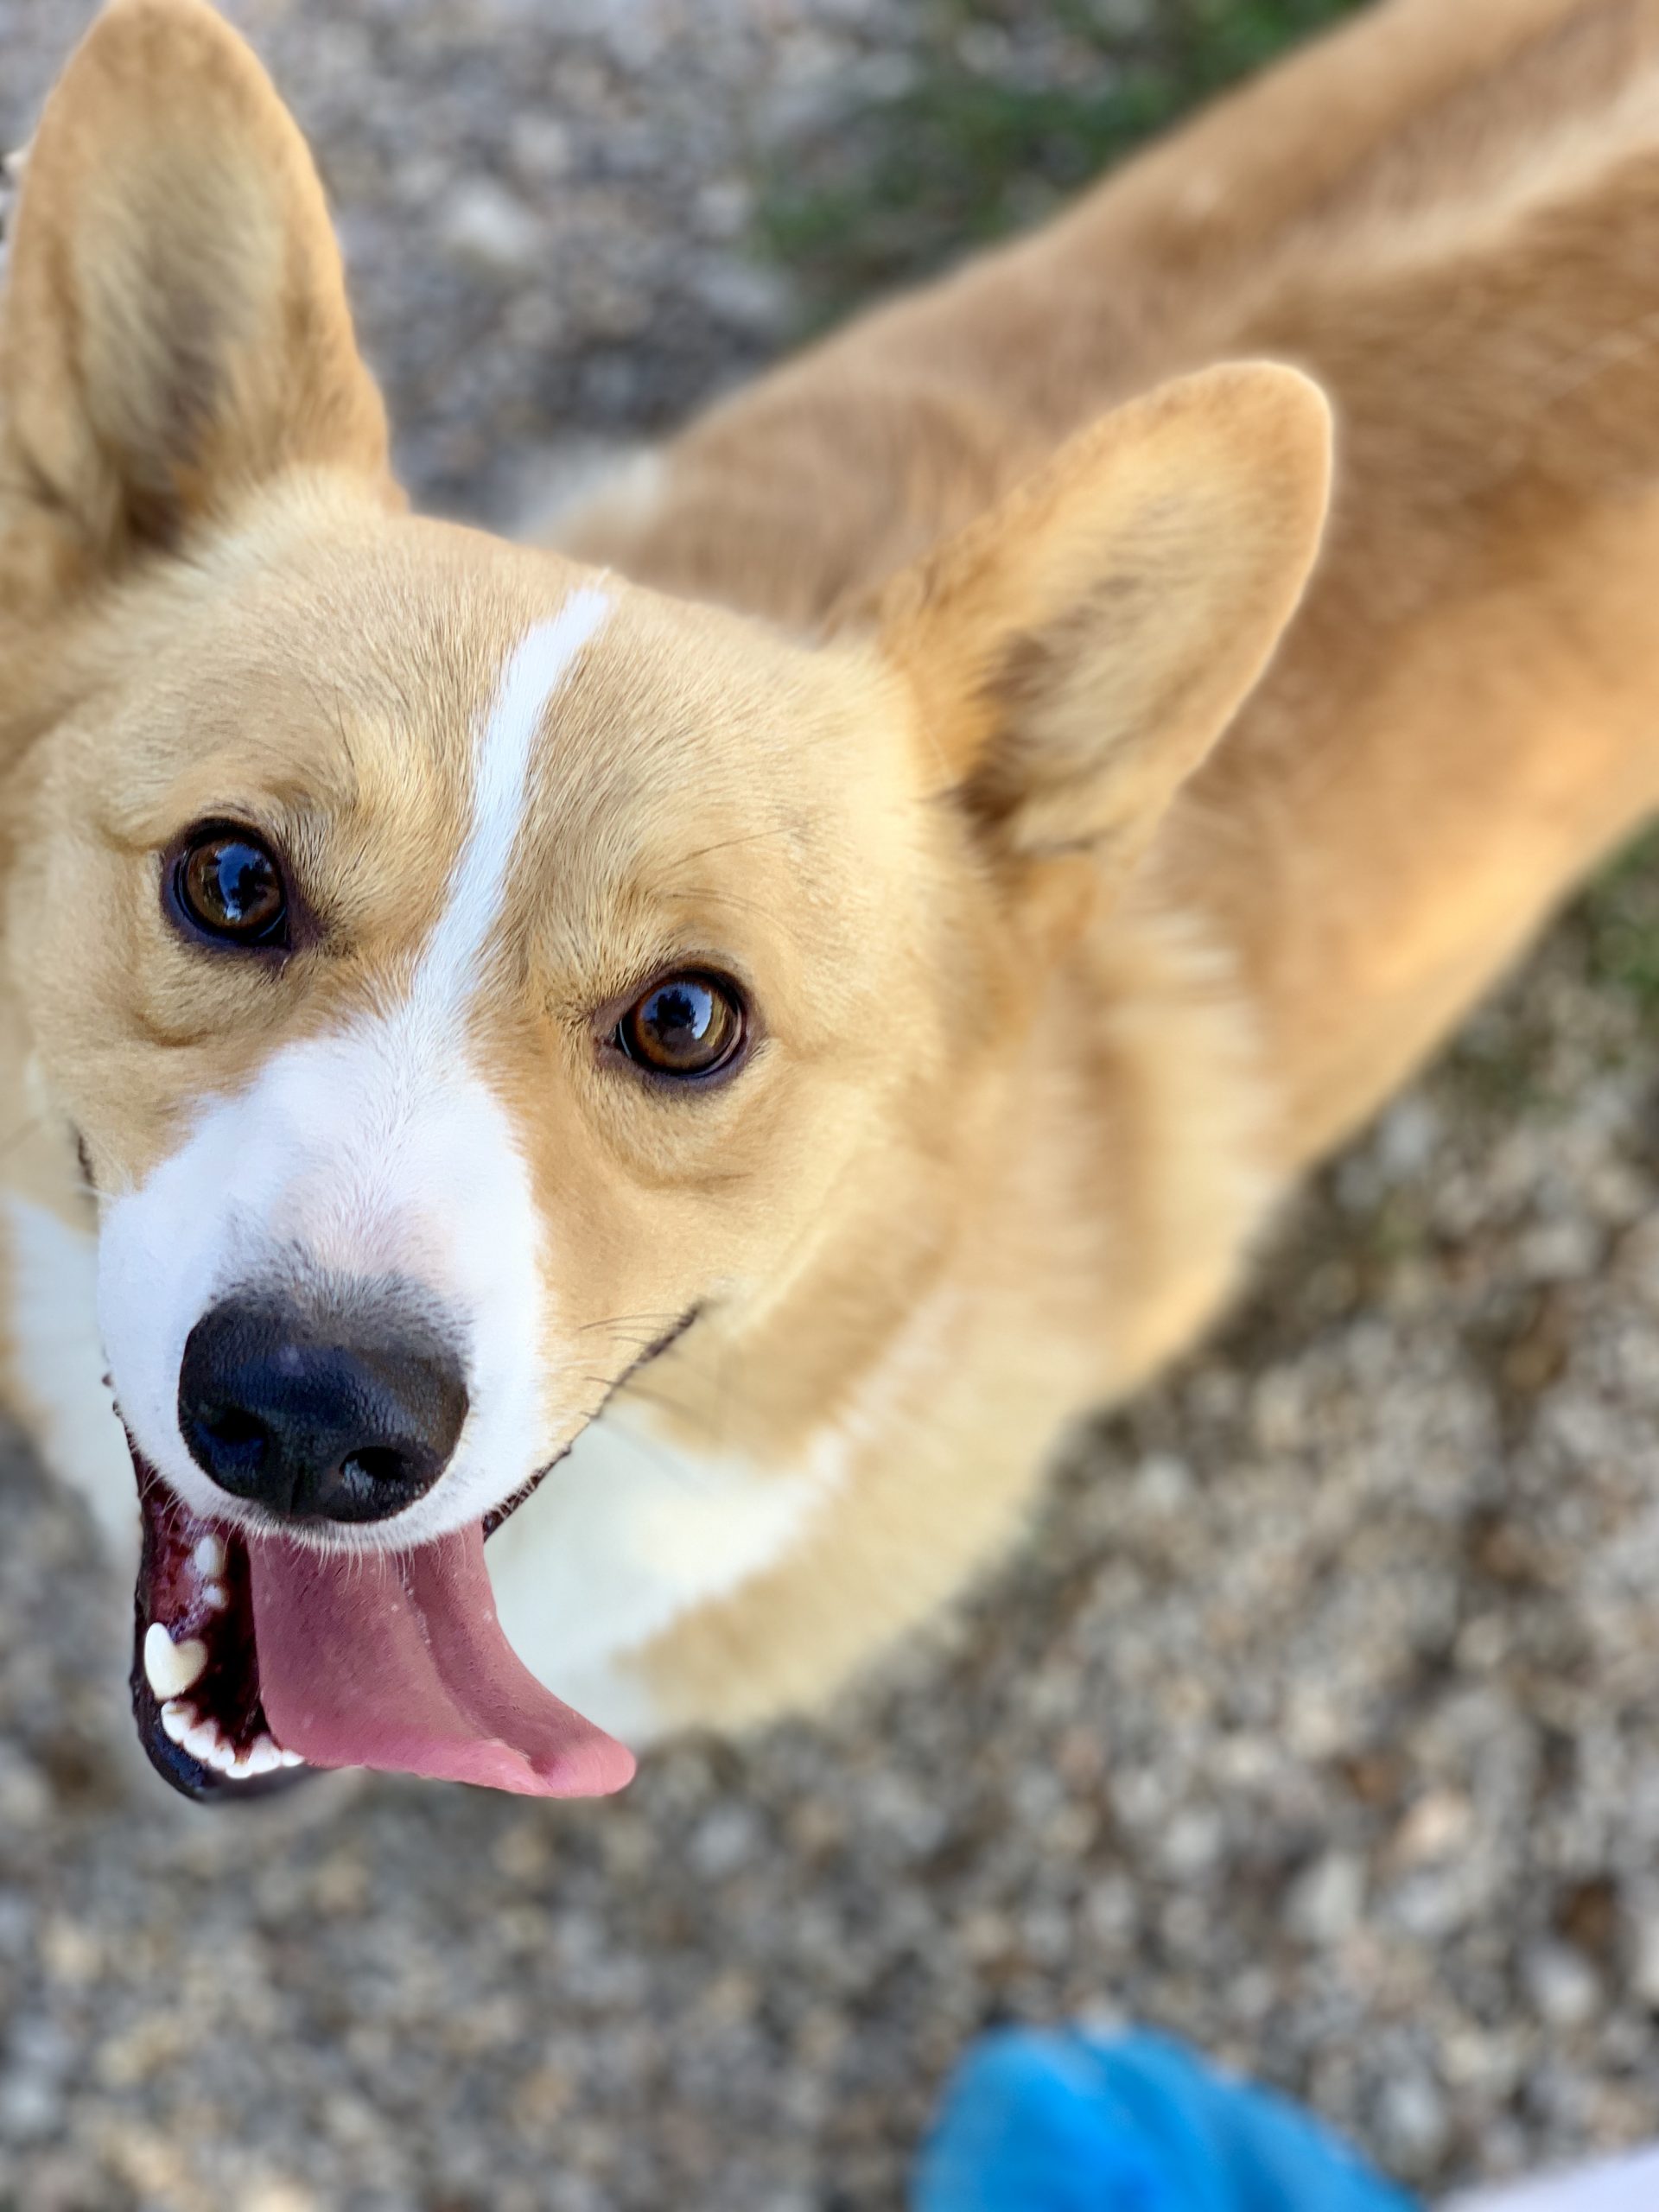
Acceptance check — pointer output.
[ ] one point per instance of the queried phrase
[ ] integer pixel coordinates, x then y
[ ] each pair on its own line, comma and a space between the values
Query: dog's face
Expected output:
469, 975
465, 949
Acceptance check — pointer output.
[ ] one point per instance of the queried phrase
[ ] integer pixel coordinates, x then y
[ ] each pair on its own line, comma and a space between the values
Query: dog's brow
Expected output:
537, 668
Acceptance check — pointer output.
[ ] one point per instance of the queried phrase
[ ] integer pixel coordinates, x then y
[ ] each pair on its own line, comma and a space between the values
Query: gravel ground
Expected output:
1319, 1722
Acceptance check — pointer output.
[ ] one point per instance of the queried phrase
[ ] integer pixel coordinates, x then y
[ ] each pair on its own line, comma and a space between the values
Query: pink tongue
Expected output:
398, 1662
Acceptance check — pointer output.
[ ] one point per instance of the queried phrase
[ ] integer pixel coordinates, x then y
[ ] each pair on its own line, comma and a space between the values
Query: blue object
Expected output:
1060, 2121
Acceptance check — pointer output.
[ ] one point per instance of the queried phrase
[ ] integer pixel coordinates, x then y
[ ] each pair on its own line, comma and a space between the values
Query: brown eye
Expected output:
688, 1024
227, 885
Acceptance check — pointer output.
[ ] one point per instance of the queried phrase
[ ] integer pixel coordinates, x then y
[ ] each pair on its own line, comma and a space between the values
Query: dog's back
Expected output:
1447, 214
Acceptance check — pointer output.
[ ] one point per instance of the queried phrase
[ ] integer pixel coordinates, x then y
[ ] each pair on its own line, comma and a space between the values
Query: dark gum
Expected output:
171, 1588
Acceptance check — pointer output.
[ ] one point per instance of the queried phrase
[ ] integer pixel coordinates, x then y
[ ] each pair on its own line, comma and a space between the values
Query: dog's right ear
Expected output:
1076, 652
175, 330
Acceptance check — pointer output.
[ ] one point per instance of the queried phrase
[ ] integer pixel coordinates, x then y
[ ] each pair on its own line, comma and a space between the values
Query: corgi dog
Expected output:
692, 1051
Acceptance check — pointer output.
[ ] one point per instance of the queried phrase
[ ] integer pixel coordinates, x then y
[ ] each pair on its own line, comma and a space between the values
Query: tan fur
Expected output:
909, 716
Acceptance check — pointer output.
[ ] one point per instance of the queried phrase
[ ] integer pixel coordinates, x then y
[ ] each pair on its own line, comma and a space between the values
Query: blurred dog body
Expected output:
901, 729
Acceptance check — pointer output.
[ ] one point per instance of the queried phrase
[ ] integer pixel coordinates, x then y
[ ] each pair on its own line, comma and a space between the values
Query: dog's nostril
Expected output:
368, 1484
373, 1466
236, 1432
347, 1412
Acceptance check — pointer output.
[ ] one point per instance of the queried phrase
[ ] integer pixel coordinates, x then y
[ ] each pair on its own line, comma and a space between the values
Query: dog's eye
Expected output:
688, 1025
227, 884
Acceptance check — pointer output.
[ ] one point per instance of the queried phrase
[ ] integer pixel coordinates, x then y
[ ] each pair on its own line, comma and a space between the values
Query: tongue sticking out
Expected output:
397, 1661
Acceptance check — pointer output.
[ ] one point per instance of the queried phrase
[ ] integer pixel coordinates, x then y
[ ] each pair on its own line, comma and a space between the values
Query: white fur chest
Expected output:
626, 1535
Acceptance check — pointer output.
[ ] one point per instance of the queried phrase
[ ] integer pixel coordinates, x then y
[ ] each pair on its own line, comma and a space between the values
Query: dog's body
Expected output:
1047, 1000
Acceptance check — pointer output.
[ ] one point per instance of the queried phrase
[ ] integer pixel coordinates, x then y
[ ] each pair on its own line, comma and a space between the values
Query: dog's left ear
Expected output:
174, 329
1076, 651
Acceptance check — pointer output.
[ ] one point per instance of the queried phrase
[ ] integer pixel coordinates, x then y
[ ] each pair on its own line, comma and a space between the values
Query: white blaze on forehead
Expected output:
537, 668
376, 1150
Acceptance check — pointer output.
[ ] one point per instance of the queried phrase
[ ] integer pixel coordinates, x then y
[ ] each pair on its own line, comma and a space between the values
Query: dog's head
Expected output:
469, 975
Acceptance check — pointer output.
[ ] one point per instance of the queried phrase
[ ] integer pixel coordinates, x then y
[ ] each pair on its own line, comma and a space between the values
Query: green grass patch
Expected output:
1619, 914
995, 127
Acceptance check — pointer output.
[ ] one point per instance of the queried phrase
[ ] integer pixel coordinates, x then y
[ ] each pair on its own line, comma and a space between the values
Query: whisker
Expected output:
661, 1318
727, 844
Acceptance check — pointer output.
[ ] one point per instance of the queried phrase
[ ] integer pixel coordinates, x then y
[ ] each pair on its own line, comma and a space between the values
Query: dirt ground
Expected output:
1319, 1719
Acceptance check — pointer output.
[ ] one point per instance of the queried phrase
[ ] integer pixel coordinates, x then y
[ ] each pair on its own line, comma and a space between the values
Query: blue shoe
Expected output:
1060, 2121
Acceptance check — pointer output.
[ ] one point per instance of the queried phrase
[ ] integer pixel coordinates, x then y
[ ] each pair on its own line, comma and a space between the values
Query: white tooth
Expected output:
290, 1759
170, 1667
215, 1596
203, 1742
178, 1719
210, 1555
261, 1757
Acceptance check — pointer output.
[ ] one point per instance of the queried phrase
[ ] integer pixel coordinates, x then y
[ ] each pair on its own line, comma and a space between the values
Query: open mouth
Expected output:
257, 1655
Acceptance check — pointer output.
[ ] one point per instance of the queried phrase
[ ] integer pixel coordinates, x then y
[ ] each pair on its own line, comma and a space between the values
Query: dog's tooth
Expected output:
290, 1759
203, 1742
262, 1756
178, 1719
215, 1596
210, 1555
171, 1669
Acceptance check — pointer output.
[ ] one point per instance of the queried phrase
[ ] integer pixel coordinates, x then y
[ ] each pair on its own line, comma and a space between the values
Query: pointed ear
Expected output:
174, 329
1077, 651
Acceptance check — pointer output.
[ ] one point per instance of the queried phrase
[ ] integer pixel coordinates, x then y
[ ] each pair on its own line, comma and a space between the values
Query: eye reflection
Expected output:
227, 885
685, 1026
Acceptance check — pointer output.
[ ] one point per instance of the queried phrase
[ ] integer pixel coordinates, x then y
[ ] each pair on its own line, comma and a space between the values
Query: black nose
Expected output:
346, 1409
